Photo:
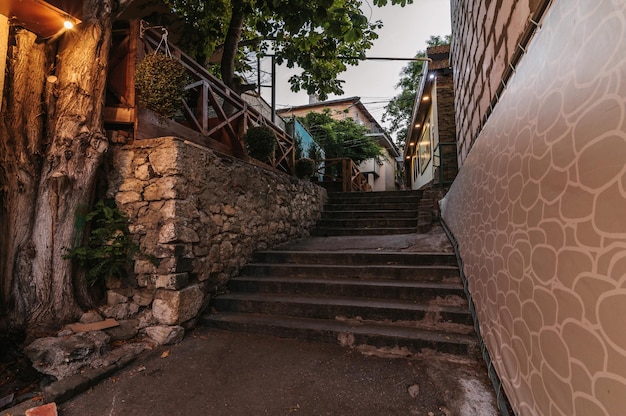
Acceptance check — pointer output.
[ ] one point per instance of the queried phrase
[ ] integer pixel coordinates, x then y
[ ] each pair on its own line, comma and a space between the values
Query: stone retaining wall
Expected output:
202, 215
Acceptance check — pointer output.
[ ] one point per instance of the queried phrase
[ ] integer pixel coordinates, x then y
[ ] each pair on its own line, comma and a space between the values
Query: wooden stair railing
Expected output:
212, 116
343, 171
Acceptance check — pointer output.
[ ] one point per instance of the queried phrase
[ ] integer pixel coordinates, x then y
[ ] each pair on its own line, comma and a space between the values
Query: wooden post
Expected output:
4, 43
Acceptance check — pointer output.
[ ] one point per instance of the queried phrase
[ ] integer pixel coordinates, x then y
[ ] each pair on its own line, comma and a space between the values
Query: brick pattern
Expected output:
538, 212
485, 38
446, 127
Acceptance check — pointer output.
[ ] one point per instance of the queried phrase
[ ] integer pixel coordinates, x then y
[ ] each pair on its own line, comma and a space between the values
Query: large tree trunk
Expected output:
48, 168
231, 43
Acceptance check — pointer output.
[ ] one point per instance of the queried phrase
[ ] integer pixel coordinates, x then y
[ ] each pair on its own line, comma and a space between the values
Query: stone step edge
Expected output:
314, 266
371, 253
344, 301
405, 230
336, 327
351, 282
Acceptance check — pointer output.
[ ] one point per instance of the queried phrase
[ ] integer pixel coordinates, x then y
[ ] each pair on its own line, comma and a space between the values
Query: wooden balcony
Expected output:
212, 116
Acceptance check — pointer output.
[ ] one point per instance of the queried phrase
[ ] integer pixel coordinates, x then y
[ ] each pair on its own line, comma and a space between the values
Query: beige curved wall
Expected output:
539, 211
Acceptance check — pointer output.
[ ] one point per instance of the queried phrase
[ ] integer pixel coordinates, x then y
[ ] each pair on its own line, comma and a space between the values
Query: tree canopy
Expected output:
399, 110
320, 36
341, 138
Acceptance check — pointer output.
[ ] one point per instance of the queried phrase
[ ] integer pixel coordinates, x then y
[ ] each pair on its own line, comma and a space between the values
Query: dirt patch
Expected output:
19, 380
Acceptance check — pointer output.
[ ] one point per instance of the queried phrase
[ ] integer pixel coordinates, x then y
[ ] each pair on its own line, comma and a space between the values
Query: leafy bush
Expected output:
109, 250
260, 143
160, 81
304, 168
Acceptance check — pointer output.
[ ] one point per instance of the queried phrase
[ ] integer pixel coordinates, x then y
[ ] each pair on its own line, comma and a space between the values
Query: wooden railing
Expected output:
344, 172
213, 115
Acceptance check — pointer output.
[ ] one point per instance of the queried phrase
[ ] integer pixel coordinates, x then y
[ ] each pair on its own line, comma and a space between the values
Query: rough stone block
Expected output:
62, 357
132, 185
90, 317
142, 172
173, 307
126, 330
143, 297
165, 335
145, 319
165, 160
120, 311
115, 297
164, 188
177, 233
124, 198
144, 267
174, 281
146, 281
175, 265
171, 250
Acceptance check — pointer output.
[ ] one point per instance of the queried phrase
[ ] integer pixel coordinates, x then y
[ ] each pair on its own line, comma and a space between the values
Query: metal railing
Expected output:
442, 167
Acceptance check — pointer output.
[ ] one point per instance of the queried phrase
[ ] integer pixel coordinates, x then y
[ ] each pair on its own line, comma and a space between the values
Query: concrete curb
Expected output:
63, 390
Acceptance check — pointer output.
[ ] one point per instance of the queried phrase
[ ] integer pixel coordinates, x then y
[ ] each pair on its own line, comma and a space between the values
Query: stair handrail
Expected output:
344, 171
233, 113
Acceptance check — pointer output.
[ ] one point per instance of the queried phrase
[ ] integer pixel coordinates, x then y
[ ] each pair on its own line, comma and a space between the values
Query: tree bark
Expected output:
21, 146
231, 43
58, 158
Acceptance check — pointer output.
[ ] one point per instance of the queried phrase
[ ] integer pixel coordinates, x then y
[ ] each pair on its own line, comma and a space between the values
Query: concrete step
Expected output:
371, 288
372, 199
428, 273
413, 339
346, 231
356, 258
332, 307
384, 213
379, 194
390, 222
365, 206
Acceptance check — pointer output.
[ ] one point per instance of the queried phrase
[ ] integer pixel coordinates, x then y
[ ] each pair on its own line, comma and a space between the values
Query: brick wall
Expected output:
485, 39
447, 127
538, 213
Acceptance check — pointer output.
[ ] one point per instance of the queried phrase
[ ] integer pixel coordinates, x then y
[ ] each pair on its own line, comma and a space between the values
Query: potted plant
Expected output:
260, 143
160, 81
304, 168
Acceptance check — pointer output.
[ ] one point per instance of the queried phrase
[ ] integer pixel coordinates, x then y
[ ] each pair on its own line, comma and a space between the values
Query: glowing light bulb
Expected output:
68, 24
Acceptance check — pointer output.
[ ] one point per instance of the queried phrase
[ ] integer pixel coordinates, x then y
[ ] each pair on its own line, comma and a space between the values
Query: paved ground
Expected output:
434, 241
217, 373
220, 373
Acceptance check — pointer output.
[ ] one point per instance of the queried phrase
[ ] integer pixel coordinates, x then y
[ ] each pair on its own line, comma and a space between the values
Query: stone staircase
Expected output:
369, 213
392, 300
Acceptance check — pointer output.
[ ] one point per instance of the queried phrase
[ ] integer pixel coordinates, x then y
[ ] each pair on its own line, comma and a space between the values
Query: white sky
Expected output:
405, 32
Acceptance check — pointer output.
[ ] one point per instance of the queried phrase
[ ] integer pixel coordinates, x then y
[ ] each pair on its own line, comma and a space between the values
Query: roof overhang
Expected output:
440, 62
44, 18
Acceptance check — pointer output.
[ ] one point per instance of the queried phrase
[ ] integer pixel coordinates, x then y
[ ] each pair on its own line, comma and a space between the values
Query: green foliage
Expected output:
311, 34
109, 250
260, 143
341, 138
314, 152
305, 168
160, 82
400, 109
